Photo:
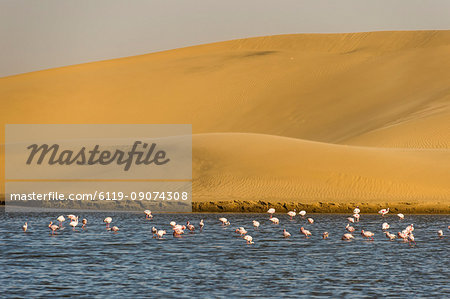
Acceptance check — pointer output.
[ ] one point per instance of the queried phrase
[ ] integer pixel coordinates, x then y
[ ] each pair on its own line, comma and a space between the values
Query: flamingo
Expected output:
84, 221
224, 221
172, 223
306, 232
440, 232
302, 213
410, 228
148, 214
356, 210
107, 220
351, 219
310, 220
401, 216
241, 231
61, 219
249, 239
350, 228
356, 216
53, 227
154, 231
190, 226
255, 224
201, 224
347, 236
385, 226
403, 235
71, 217
25, 227
367, 234
115, 229
286, 234
325, 235
411, 238
390, 236
74, 223
271, 211
275, 220
160, 233
178, 230
292, 214
383, 211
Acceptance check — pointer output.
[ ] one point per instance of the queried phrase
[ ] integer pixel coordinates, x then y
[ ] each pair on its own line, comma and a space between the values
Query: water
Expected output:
217, 263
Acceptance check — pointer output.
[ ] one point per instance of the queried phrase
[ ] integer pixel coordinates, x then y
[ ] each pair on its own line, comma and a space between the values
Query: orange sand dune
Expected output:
377, 90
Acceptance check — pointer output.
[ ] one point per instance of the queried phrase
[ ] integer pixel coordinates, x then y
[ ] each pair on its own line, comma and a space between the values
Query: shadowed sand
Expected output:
325, 120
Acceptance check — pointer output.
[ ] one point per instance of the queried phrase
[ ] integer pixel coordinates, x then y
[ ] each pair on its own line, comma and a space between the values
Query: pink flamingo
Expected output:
148, 214
286, 234
249, 239
190, 227
351, 219
310, 220
347, 237
385, 226
201, 224
271, 211
350, 228
256, 224
25, 227
107, 220
275, 220
306, 232
367, 234
84, 221
61, 219
53, 227
292, 214
390, 236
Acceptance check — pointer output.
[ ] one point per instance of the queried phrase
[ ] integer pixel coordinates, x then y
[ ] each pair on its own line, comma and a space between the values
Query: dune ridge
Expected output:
352, 118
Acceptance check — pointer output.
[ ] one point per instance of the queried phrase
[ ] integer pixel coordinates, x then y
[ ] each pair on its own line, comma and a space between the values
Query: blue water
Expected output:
218, 263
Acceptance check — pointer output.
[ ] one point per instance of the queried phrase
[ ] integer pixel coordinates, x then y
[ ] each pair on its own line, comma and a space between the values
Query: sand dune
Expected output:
376, 90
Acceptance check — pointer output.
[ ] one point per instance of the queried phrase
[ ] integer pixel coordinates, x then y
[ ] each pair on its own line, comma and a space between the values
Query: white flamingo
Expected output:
310, 220
347, 236
275, 220
115, 229
302, 213
440, 233
249, 239
108, 221
351, 219
256, 224
148, 214
201, 224
292, 214
383, 211
160, 234
356, 210
385, 226
271, 211
401, 216
25, 227
154, 231
356, 216
61, 219
172, 223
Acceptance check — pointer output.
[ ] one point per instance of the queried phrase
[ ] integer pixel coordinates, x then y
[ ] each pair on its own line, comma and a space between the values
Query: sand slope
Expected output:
377, 90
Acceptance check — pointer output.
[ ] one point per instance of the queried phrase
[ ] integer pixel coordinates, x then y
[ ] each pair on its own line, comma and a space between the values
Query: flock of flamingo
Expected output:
405, 235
